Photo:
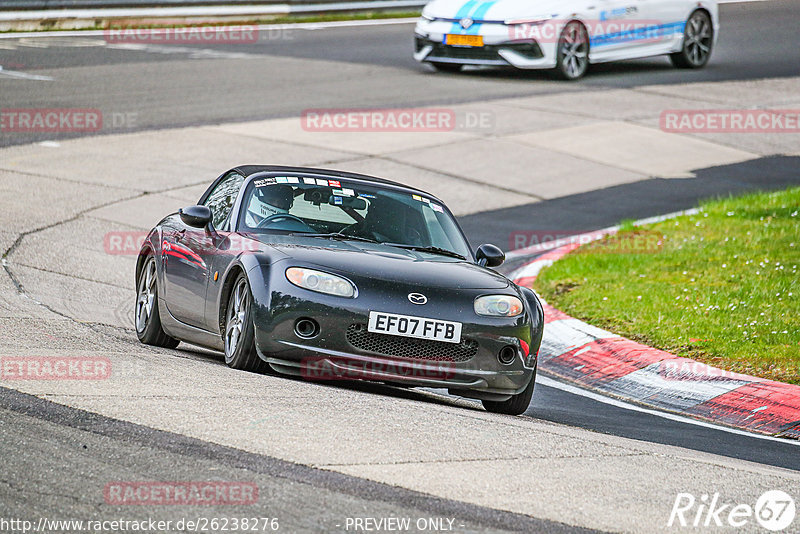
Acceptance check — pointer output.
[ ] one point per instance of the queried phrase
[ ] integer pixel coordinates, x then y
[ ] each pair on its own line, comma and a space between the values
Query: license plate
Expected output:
463, 40
417, 327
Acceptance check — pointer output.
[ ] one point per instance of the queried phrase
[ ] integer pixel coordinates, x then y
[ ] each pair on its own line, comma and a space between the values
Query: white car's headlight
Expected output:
320, 282
427, 17
498, 306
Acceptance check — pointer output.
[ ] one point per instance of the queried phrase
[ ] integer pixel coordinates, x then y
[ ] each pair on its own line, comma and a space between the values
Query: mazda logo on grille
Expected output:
417, 298
466, 22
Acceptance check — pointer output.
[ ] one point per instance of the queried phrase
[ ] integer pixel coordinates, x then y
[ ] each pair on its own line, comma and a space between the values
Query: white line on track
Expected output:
193, 53
299, 26
23, 75
310, 26
574, 390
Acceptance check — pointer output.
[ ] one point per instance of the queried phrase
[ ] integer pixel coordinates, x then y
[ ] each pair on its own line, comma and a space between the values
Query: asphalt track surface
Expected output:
288, 71
313, 73
90, 448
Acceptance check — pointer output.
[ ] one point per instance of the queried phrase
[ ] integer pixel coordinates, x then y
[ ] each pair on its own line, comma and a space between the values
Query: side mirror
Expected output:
489, 256
196, 216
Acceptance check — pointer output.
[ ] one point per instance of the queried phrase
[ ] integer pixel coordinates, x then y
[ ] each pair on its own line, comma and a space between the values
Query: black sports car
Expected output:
333, 275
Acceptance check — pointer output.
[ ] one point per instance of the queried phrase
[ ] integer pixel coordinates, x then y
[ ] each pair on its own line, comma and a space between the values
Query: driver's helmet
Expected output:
383, 220
268, 201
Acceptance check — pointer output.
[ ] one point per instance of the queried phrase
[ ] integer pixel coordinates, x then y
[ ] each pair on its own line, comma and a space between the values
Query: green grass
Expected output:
720, 287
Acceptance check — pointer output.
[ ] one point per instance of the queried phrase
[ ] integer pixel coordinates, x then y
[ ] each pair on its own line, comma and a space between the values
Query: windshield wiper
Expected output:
345, 237
432, 250
338, 236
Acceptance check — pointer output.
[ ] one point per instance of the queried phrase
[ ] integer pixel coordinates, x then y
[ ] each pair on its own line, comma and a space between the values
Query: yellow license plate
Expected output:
464, 40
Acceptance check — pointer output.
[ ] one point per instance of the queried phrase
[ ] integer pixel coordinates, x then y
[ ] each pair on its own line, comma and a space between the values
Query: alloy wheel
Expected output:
698, 38
574, 50
236, 317
145, 299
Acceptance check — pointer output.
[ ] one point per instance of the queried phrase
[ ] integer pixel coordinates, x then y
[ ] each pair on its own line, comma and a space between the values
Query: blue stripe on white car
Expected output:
461, 13
651, 32
475, 10
479, 14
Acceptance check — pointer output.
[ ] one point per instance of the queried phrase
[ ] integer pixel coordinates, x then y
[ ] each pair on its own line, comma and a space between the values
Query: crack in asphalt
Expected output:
475, 460
62, 179
10, 250
4, 259
74, 276
19, 490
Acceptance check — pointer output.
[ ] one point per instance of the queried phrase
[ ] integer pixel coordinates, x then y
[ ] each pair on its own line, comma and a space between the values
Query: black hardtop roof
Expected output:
249, 170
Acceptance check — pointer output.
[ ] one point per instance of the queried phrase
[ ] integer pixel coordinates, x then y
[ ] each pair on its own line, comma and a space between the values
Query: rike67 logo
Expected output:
774, 511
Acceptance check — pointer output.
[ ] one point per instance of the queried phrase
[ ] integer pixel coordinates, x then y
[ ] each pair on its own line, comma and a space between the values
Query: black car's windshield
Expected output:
343, 209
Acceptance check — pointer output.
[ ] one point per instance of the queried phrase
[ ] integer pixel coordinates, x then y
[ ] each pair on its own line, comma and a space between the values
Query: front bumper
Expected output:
501, 47
343, 349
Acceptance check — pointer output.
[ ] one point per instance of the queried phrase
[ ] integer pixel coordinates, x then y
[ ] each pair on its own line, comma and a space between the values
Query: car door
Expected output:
189, 254
620, 26
671, 16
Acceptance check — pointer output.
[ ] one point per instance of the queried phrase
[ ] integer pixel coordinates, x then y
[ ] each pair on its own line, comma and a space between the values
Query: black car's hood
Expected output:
374, 261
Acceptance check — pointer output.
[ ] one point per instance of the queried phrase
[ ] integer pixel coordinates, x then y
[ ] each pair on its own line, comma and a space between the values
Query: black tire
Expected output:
147, 321
572, 52
516, 405
446, 67
238, 336
698, 42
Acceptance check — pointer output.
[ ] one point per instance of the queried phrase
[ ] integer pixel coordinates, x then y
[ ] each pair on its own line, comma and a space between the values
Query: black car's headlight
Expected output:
320, 282
498, 306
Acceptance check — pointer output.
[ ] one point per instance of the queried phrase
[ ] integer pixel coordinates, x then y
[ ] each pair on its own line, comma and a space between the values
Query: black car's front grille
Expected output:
529, 50
407, 347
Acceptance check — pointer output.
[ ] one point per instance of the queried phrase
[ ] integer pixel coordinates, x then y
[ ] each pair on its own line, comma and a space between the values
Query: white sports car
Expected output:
564, 35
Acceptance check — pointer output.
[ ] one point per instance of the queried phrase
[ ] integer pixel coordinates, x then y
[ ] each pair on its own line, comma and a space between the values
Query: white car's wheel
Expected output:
698, 39
573, 51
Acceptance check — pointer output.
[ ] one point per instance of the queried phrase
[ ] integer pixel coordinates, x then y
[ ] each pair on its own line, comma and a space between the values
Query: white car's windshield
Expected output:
305, 205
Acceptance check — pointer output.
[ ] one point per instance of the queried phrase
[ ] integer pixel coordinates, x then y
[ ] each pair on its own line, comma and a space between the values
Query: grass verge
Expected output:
720, 287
